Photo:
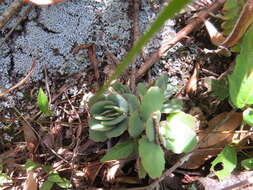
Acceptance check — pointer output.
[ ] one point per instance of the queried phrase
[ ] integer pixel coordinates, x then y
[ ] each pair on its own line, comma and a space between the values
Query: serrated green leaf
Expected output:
119, 151
228, 159
152, 157
172, 106
42, 101
177, 133
132, 101
162, 82
31, 165
97, 136
247, 164
152, 102
248, 116
241, 80
118, 129
47, 185
136, 125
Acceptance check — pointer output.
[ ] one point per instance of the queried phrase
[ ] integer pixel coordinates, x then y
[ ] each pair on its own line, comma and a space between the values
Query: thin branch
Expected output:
10, 12
196, 22
20, 83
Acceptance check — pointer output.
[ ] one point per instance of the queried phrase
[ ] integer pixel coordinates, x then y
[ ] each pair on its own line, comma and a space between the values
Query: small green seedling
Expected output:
43, 103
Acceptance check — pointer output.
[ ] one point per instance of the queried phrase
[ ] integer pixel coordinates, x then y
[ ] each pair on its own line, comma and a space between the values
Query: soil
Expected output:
49, 36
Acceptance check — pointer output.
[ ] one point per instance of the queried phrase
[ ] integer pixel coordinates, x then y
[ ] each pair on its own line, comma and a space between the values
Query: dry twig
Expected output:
23, 81
196, 22
10, 12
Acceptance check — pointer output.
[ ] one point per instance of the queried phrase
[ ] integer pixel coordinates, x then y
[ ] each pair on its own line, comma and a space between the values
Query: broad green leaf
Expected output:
99, 107
141, 172
220, 88
172, 106
162, 82
152, 157
55, 177
120, 101
141, 89
247, 164
120, 88
241, 80
152, 102
118, 129
150, 126
119, 151
248, 116
43, 102
97, 126
168, 12
177, 133
31, 165
97, 136
96, 98
133, 102
228, 160
136, 125
47, 185
115, 121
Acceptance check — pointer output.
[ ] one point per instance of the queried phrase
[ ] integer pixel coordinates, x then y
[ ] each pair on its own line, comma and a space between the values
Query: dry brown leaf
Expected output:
31, 181
215, 139
192, 83
91, 171
32, 141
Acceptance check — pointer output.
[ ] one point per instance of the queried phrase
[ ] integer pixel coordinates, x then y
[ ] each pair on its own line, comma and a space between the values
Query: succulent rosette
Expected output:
110, 113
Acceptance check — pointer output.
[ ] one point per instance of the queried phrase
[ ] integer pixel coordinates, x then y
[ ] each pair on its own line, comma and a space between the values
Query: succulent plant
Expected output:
110, 113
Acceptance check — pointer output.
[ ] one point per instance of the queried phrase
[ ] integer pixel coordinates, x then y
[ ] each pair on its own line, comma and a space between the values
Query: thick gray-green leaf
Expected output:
120, 88
97, 136
119, 151
136, 125
141, 89
97, 126
99, 107
162, 82
241, 80
177, 133
118, 129
120, 101
152, 102
133, 102
248, 116
172, 106
115, 121
152, 157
